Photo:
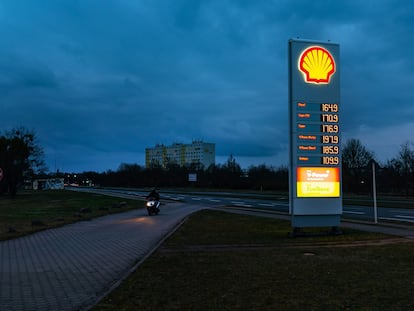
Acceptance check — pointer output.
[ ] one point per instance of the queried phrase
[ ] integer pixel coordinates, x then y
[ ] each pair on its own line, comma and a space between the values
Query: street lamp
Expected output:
374, 191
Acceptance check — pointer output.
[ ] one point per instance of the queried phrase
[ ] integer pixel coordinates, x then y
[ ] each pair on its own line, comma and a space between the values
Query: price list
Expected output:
317, 134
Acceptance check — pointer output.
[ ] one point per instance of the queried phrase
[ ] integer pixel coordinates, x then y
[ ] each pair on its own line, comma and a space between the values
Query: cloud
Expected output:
107, 79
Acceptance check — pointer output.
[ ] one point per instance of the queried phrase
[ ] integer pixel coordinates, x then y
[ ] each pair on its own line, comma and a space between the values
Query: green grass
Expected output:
53, 208
220, 261
214, 227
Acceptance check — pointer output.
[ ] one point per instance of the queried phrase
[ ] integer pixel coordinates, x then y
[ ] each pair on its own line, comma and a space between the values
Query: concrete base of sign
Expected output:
302, 221
300, 232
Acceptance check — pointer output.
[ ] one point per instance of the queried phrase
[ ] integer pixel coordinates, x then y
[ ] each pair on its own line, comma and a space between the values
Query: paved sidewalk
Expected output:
67, 268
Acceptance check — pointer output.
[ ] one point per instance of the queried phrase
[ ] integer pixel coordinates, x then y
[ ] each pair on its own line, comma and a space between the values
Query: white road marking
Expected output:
237, 202
399, 219
404, 216
242, 204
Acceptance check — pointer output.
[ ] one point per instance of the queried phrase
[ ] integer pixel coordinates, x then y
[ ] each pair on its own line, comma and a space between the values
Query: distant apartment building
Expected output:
197, 153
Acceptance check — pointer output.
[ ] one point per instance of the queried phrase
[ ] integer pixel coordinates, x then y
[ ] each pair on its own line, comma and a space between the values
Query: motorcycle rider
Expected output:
153, 202
154, 194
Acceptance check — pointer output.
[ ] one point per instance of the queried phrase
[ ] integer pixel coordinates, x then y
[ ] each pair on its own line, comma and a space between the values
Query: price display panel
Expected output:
317, 140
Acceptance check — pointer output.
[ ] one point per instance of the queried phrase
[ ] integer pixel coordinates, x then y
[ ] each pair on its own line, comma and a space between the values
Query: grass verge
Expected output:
221, 261
32, 211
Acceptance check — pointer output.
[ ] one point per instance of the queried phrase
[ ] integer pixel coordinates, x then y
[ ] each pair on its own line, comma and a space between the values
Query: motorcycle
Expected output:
153, 206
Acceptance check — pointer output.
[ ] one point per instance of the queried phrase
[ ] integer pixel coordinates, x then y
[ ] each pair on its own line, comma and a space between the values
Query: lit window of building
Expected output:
197, 153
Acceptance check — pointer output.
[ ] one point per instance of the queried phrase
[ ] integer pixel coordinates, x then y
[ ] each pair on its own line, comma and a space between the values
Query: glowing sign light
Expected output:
315, 175
318, 182
317, 65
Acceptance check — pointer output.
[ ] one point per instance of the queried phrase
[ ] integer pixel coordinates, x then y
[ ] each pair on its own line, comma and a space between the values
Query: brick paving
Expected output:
67, 268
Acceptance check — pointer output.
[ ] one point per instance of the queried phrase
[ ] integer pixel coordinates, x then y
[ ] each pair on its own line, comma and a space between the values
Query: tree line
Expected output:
394, 177
228, 175
21, 159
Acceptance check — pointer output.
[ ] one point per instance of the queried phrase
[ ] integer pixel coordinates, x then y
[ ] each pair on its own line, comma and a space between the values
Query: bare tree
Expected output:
355, 155
355, 161
404, 165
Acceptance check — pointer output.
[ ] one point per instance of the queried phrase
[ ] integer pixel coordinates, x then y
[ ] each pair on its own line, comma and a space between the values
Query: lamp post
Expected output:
374, 192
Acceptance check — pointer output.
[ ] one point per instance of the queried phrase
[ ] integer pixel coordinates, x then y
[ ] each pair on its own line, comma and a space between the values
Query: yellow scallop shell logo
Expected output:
317, 65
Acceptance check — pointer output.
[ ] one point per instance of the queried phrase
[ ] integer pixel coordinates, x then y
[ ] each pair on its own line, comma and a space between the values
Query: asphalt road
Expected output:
211, 199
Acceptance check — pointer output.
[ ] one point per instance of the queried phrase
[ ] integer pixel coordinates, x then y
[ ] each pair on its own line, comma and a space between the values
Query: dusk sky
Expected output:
101, 80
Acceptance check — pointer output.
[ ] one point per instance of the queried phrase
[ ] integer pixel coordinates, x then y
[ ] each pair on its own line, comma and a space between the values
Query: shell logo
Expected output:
317, 65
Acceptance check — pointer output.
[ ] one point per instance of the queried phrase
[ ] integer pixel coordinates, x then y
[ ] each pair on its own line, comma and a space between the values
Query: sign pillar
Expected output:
315, 179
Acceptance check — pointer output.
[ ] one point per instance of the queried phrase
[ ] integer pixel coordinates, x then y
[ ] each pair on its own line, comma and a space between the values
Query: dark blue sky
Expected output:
101, 80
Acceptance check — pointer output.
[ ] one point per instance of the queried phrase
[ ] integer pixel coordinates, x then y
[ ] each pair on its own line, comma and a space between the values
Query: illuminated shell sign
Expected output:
317, 65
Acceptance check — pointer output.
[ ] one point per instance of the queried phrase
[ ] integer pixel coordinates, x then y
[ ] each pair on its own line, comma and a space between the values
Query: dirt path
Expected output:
238, 247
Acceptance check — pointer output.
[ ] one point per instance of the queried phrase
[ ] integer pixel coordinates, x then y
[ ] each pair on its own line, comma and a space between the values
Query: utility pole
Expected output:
374, 191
